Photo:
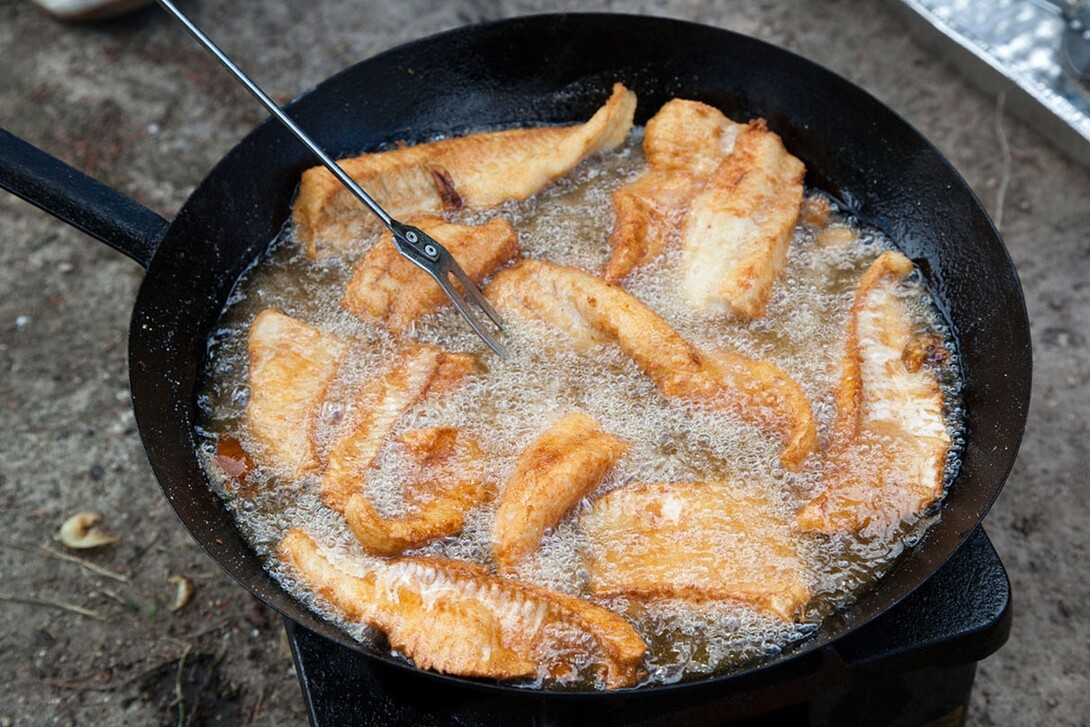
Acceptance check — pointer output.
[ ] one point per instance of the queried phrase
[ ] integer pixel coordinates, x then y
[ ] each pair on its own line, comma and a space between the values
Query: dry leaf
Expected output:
183, 594
81, 532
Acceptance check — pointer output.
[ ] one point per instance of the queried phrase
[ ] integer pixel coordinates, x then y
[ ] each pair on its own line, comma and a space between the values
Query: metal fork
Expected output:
412, 242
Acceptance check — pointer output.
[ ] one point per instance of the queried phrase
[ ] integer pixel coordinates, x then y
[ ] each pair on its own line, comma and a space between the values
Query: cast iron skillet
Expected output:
544, 70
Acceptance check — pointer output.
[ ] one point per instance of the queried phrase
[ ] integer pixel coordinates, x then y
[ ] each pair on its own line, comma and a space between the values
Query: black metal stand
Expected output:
913, 665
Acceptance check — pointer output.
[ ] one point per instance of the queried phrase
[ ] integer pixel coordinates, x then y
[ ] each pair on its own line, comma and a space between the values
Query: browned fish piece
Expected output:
592, 311
646, 215
559, 468
834, 236
689, 136
696, 541
738, 228
887, 460
291, 366
475, 171
449, 481
453, 617
379, 405
390, 290
683, 143
815, 211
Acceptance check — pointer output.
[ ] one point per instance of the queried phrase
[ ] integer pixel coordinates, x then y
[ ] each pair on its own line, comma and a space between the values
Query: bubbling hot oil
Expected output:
507, 403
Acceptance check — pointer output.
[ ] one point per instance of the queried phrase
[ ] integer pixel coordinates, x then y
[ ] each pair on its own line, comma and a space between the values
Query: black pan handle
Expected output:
71, 196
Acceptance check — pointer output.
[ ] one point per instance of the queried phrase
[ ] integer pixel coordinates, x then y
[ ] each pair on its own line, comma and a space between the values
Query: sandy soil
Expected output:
137, 104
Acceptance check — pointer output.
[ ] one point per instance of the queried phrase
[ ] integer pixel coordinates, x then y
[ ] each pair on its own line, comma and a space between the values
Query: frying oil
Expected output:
508, 403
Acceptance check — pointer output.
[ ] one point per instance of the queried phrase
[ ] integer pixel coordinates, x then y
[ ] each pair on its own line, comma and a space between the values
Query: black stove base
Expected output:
913, 665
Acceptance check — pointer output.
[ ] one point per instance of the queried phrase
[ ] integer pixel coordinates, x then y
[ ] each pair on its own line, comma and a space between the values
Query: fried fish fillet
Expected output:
739, 226
453, 617
591, 312
683, 144
559, 468
474, 171
696, 541
393, 292
379, 405
291, 366
888, 455
449, 482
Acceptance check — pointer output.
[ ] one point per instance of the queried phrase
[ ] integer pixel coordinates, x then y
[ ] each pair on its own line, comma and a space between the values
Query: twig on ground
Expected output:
255, 709
50, 603
190, 638
82, 563
126, 603
1005, 150
179, 692
147, 673
106, 572
79, 684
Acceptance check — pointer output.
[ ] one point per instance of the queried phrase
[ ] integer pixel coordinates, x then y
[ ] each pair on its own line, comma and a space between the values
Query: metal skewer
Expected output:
412, 242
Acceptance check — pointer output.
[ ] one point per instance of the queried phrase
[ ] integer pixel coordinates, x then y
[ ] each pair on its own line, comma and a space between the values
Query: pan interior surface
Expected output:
492, 75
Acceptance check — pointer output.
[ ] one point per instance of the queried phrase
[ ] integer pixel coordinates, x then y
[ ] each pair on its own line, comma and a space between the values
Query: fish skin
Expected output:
291, 368
474, 172
453, 617
680, 540
887, 459
558, 469
593, 312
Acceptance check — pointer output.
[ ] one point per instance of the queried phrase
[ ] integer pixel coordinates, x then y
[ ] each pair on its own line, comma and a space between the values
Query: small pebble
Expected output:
21, 322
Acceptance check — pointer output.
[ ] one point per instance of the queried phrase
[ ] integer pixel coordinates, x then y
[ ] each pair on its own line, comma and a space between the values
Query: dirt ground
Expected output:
135, 103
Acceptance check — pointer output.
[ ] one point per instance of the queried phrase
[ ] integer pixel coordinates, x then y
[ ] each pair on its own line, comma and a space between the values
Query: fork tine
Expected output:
463, 308
475, 294
430, 256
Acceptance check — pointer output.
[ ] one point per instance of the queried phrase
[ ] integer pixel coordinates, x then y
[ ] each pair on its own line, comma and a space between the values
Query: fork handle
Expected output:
273, 108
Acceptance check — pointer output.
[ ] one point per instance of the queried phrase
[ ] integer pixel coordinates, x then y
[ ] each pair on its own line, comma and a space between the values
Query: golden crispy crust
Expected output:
738, 228
291, 367
592, 311
696, 541
559, 468
689, 136
455, 618
475, 171
815, 212
683, 143
379, 405
388, 289
647, 214
888, 456
448, 483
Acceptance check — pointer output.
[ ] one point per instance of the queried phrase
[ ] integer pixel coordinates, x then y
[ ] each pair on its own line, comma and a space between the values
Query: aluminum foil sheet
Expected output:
1011, 46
